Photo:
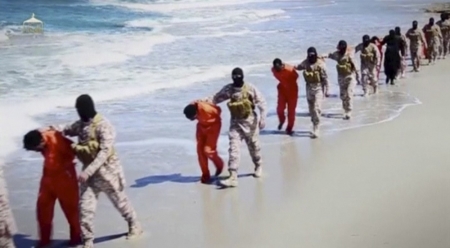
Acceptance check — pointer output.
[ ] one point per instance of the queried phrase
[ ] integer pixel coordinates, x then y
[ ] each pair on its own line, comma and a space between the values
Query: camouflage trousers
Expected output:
247, 130
433, 49
314, 96
445, 46
415, 53
346, 85
7, 222
113, 187
368, 75
6, 241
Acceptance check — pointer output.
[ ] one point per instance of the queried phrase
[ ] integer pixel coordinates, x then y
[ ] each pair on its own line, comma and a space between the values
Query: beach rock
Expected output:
438, 8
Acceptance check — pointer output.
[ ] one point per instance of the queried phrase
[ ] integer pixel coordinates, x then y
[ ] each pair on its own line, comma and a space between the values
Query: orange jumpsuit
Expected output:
208, 131
58, 182
287, 94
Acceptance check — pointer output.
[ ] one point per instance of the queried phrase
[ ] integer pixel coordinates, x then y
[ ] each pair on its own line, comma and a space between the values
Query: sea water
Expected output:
143, 61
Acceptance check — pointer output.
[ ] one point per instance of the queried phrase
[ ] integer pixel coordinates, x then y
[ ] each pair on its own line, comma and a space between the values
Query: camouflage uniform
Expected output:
346, 80
370, 57
403, 62
7, 223
445, 42
242, 129
105, 175
416, 39
433, 36
315, 76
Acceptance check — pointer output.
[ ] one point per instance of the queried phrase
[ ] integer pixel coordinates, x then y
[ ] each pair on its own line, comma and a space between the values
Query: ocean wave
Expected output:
211, 20
110, 49
171, 6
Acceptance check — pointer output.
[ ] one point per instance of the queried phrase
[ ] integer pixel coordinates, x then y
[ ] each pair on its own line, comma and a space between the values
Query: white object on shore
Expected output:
33, 26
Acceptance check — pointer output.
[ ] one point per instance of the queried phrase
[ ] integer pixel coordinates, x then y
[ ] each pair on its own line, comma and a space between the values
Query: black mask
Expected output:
366, 40
312, 55
431, 22
237, 75
342, 47
414, 25
85, 108
392, 33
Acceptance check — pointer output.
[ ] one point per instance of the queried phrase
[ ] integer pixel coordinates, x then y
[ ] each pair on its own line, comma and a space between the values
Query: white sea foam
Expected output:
111, 48
167, 7
213, 19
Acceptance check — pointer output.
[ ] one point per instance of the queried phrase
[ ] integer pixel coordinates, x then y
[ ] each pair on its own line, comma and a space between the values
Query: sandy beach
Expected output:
385, 185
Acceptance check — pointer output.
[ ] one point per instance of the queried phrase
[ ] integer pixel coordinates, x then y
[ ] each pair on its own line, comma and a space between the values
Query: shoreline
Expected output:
438, 8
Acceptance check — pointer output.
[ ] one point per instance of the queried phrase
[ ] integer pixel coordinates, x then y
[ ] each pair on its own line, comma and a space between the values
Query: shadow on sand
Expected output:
175, 178
332, 115
303, 114
24, 241
281, 132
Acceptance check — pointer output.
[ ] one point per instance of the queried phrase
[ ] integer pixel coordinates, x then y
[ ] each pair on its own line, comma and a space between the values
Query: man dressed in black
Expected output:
395, 49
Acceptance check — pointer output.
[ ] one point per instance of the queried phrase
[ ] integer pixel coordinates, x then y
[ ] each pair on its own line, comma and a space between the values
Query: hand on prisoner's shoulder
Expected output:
46, 129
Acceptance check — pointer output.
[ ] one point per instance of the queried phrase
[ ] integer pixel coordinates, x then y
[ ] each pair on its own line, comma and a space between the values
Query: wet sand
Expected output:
384, 185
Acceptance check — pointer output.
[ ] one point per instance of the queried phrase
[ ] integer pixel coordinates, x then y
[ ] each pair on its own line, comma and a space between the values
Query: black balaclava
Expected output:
85, 107
398, 31
312, 55
190, 111
443, 18
342, 47
237, 75
391, 33
277, 64
366, 40
415, 24
431, 21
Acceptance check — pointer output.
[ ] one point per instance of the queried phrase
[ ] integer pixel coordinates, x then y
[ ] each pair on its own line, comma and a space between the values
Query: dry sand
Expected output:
385, 185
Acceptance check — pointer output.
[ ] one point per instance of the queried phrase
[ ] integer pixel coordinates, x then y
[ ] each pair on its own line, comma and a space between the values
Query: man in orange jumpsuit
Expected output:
58, 182
287, 93
208, 131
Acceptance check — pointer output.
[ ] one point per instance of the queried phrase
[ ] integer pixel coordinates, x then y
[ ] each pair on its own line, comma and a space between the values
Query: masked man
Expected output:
444, 25
433, 36
101, 172
346, 71
315, 75
402, 71
244, 124
370, 58
416, 42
